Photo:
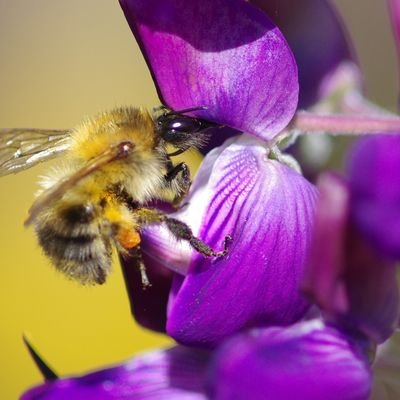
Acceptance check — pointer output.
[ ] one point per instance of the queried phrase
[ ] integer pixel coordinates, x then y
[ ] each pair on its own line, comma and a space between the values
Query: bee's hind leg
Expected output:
183, 232
136, 255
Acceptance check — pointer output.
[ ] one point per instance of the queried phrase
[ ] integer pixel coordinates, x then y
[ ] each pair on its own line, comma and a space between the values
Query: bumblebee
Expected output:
113, 166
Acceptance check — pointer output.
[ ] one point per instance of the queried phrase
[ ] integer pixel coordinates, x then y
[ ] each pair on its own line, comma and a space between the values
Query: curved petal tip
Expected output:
225, 55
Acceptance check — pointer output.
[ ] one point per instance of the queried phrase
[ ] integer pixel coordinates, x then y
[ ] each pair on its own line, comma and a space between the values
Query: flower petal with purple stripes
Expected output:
268, 209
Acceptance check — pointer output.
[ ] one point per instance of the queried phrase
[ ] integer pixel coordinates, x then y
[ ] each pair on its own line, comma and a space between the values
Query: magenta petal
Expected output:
316, 36
177, 373
308, 361
222, 54
268, 209
346, 277
374, 166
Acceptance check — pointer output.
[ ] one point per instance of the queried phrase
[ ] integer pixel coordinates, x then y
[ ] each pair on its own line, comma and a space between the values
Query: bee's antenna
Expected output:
176, 153
187, 110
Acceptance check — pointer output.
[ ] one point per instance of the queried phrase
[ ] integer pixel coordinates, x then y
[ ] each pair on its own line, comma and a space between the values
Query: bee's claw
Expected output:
224, 252
145, 279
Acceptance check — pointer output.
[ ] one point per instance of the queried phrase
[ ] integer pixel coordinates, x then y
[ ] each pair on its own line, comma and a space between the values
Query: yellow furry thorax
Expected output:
96, 134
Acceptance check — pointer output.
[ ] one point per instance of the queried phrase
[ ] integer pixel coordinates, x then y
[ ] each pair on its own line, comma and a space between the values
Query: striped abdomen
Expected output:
74, 241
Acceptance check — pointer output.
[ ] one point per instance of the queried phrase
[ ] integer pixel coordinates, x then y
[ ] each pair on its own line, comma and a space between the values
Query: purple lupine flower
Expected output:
230, 58
239, 189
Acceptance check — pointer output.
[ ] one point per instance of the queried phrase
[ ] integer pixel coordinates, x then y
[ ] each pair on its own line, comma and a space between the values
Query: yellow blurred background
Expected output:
61, 61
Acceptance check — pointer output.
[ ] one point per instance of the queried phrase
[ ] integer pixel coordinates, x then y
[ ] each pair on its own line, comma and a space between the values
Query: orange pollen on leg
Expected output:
128, 238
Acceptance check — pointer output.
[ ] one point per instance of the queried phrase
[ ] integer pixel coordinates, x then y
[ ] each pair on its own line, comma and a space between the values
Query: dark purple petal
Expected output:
177, 373
268, 209
323, 278
372, 291
222, 54
216, 137
317, 38
308, 361
374, 173
346, 277
149, 305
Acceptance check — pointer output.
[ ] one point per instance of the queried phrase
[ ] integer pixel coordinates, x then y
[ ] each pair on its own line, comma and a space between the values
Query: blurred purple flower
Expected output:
353, 283
352, 273
374, 165
308, 361
177, 373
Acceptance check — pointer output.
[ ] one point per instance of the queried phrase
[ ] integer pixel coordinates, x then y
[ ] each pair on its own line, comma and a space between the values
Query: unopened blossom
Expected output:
374, 168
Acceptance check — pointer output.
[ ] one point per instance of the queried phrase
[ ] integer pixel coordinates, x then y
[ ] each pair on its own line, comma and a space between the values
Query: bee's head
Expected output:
181, 131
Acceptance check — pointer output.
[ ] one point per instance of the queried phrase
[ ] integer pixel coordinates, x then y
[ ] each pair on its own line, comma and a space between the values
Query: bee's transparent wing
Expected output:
115, 152
23, 148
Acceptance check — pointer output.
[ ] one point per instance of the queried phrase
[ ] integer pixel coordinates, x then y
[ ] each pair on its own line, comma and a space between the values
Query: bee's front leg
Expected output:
179, 179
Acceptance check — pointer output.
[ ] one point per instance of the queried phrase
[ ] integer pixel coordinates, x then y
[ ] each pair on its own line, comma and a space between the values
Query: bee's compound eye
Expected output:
176, 128
79, 214
183, 125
